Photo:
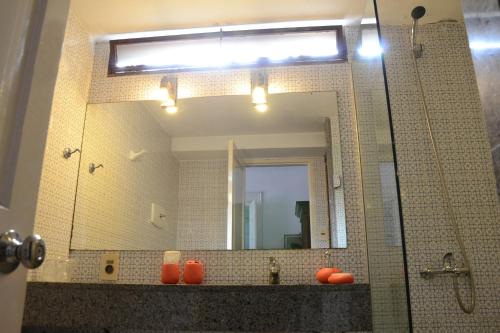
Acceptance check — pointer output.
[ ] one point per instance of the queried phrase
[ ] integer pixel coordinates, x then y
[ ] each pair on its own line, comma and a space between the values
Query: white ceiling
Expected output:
234, 115
106, 17
103, 17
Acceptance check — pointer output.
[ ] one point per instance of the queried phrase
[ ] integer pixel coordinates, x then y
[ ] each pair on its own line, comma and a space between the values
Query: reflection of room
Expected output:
176, 168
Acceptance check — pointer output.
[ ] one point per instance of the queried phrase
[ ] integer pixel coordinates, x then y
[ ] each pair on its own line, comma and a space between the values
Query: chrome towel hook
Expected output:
93, 167
67, 152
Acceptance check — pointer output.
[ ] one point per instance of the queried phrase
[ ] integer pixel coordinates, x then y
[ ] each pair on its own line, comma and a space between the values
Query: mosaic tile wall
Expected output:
58, 181
451, 91
202, 205
113, 205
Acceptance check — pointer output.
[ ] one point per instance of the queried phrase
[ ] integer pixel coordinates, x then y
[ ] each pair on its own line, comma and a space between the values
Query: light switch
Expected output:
110, 266
158, 216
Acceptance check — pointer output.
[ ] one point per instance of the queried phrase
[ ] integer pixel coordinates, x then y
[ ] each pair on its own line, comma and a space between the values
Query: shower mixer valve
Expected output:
449, 267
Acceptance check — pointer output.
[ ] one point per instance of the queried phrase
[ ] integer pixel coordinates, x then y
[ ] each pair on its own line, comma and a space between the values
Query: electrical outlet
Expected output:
110, 266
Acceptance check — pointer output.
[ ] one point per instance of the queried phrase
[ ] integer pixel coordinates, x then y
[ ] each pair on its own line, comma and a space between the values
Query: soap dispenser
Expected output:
274, 271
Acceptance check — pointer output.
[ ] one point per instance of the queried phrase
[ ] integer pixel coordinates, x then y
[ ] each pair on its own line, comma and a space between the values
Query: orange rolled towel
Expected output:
341, 278
323, 274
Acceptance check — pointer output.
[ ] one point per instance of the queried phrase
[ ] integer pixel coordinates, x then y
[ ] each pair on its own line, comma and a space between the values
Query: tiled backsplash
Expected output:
221, 267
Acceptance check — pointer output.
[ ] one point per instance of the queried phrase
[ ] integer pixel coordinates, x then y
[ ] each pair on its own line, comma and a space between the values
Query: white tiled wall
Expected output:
113, 205
202, 205
58, 182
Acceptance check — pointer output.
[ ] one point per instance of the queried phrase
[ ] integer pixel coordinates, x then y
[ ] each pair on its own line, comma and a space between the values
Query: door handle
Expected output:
13, 251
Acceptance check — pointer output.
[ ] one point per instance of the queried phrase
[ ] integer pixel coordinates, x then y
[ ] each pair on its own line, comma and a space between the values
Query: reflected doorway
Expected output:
276, 214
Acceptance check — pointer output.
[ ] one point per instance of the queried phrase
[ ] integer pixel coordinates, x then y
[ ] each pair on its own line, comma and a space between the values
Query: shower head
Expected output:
418, 12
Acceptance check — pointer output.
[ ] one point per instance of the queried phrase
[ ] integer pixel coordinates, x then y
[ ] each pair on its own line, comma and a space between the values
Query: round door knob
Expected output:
32, 252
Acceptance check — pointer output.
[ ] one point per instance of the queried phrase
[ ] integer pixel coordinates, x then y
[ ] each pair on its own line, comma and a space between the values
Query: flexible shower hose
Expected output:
444, 188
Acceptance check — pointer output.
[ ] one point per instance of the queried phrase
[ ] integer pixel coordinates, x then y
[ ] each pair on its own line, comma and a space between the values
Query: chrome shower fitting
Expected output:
449, 268
417, 13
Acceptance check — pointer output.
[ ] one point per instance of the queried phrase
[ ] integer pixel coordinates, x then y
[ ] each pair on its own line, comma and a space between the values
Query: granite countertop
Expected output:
76, 307
203, 287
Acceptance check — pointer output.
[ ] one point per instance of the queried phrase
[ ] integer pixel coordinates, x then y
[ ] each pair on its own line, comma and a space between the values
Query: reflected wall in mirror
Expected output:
216, 175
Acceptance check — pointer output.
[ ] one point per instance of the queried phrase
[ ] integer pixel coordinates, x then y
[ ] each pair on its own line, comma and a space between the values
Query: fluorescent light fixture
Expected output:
168, 87
370, 45
218, 52
236, 46
482, 45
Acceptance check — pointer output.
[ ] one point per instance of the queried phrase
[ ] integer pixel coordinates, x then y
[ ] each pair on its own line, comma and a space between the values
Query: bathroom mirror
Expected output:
216, 175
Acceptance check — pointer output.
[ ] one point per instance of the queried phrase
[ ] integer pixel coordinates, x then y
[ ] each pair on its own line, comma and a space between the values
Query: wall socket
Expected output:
110, 266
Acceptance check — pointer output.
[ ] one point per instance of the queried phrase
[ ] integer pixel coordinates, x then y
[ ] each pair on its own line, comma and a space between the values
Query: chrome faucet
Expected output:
274, 271
449, 267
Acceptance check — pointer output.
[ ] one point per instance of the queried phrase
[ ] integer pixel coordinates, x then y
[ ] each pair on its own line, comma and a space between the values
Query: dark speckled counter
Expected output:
79, 308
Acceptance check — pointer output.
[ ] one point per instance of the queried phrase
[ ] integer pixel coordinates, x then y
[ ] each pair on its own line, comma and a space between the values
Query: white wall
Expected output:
54, 214
281, 186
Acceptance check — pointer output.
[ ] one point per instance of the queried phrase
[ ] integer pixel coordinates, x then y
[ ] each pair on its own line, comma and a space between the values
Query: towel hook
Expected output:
93, 167
67, 152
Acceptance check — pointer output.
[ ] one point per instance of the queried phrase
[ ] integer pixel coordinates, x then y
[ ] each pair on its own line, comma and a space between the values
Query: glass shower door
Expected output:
380, 189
